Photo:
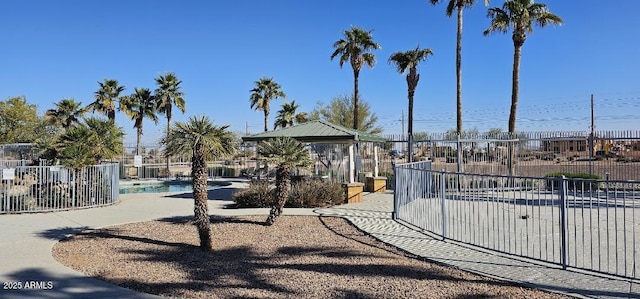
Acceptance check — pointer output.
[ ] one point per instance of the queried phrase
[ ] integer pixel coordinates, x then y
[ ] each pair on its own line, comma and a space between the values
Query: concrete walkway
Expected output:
26, 241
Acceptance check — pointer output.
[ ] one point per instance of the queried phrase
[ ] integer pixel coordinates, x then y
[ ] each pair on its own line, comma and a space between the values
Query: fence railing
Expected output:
180, 170
532, 154
581, 223
27, 189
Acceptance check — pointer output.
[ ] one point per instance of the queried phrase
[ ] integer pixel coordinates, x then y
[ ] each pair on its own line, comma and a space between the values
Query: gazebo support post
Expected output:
352, 164
375, 160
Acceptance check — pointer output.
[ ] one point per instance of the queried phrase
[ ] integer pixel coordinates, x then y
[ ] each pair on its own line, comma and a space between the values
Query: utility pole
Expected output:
404, 149
246, 128
591, 139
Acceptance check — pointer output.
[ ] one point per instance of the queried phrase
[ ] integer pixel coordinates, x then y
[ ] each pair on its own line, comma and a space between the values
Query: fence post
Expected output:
564, 225
394, 214
443, 198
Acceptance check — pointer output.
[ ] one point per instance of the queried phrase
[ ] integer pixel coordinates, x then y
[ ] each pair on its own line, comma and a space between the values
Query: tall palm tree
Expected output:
200, 139
266, 90
168, 94
286, 115
287, 153
520, 16
138, 106
355, 47
106, 97
404, 61
458, 5
67, 113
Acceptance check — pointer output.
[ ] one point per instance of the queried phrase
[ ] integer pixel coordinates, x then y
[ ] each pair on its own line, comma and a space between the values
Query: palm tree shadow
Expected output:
62, 233
214, 219
223, 193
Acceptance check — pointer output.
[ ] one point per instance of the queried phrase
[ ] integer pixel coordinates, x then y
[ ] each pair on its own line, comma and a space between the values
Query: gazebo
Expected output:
320, 131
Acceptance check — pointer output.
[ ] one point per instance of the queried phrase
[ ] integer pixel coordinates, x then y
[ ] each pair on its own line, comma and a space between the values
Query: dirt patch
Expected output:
298, 257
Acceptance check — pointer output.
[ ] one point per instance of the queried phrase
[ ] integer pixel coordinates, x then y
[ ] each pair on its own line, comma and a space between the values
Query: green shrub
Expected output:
258, 195
304, 194
576, 181
315, 193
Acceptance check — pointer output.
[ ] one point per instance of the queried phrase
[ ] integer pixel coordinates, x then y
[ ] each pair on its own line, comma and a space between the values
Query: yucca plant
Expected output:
287, 153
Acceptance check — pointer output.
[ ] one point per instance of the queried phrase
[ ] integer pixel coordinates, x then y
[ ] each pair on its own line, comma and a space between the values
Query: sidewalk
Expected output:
26, 241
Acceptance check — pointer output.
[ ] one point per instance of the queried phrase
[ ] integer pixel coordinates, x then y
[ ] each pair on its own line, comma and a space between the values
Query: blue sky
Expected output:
61, 49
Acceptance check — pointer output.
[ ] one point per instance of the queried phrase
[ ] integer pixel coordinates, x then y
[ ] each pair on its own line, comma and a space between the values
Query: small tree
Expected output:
287, 153
340, 112
200, 139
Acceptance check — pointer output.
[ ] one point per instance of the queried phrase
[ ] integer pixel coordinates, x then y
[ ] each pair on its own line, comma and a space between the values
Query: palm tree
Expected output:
302, 117
88, 143
106, 97
287, 153
67, 113
138, 106
459, 5
404, 61
266, 90
286, 115
200, 139
168, 94
520, 16
355, 47
106, 139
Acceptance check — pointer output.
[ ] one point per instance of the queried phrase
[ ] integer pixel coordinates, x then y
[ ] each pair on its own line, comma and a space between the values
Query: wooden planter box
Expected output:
353, 192
376, 184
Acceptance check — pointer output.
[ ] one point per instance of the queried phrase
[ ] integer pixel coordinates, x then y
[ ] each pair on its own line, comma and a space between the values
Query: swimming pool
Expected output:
158, 187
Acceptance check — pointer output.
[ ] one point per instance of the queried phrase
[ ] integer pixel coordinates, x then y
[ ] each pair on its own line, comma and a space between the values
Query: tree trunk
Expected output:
515, 87
283, 185
412, 82
518, 41
459, 71
138, 137
356, 97
200, 208
168, 158
265, 108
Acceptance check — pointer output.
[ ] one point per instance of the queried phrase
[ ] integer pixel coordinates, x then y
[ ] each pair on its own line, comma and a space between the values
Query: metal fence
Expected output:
27, 189
581, 223
535, 154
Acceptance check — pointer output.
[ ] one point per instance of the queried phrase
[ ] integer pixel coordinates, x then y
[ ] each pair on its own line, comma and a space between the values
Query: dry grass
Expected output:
298, 257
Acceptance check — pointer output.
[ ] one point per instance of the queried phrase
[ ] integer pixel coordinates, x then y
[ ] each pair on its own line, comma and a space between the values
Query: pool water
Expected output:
159, 187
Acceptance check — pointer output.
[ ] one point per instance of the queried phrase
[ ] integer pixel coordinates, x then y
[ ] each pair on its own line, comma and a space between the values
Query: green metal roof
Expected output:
317, 131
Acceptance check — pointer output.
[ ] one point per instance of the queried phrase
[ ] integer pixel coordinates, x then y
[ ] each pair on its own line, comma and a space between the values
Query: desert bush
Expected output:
304, 194
315, 193
260, 194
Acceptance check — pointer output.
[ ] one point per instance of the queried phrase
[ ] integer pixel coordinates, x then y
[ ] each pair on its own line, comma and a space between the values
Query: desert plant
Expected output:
315, 193
202, 140
260, 194
287, 153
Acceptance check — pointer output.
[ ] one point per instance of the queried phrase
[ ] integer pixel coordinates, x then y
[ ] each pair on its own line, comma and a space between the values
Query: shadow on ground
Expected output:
50, 285
223, 193
230, 268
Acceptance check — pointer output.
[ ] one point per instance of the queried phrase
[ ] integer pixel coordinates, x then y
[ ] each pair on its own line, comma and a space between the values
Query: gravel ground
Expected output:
297, 257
